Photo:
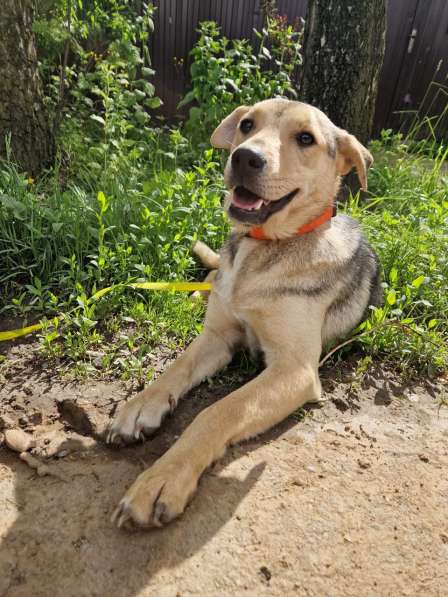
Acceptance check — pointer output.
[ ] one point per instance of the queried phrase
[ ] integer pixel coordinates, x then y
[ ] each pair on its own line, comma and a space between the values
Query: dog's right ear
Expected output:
222, 136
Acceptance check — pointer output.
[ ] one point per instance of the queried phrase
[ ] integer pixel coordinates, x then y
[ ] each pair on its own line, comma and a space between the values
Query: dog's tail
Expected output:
208, 257
210, 260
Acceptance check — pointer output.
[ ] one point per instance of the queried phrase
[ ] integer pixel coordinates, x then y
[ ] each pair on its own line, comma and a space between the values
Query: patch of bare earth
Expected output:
350, 500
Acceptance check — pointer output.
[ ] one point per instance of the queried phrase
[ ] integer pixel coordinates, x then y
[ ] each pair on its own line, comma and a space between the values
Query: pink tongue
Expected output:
245, 204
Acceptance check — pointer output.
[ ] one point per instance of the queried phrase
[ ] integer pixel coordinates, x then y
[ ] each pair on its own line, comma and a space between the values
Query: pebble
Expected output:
266, 573
18, 440
34, 418
363, 463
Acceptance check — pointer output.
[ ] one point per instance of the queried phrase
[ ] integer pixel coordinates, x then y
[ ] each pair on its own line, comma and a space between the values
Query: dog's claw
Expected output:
138, 419
120, 515
115, 515
113, 438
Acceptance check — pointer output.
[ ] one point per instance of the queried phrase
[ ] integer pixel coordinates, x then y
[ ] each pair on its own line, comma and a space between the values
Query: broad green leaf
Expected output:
418, 281
393, 275
99, 119
391, 297
102, 200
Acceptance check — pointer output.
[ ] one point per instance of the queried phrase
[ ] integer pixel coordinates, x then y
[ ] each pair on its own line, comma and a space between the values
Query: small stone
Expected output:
27, 390
266, 573
423, 457
18, 440
363, 463
34, 418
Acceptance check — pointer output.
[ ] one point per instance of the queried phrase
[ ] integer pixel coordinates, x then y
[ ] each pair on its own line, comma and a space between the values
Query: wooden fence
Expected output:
415, 69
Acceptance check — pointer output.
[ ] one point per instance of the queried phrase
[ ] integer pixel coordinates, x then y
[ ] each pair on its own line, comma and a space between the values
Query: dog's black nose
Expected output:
247, 161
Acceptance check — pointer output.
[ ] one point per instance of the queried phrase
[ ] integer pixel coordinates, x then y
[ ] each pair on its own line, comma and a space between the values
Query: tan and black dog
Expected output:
290, 279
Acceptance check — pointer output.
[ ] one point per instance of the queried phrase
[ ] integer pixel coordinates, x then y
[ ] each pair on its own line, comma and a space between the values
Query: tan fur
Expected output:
274, 296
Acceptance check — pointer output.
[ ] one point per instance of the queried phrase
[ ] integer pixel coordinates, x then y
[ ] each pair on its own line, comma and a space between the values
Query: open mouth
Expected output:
249, 208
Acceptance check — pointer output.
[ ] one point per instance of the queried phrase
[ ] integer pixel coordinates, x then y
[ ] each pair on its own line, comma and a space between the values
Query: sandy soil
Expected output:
350, 500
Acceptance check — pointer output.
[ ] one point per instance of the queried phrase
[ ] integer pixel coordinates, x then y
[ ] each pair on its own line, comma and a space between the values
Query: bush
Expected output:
226, 74
102, 96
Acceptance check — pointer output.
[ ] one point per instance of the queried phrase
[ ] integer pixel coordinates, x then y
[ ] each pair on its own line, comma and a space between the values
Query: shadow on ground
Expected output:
62, 542
347, 499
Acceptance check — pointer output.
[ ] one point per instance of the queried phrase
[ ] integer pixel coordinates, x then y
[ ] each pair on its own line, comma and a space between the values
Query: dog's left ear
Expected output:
352, 154
222, 136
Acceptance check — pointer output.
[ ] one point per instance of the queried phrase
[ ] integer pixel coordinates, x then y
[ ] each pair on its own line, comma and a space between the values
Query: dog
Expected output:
291, 278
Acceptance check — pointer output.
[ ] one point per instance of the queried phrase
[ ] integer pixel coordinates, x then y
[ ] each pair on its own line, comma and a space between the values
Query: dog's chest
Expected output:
228, 283
233, 286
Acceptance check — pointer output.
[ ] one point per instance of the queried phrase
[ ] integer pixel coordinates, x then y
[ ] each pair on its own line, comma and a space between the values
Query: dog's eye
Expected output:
246, 125
305, 139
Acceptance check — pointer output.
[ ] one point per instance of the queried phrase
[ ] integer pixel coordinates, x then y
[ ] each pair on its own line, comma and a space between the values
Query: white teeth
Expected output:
257, 205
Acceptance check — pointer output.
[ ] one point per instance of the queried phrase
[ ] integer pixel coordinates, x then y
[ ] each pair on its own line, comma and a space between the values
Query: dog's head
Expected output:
285, 161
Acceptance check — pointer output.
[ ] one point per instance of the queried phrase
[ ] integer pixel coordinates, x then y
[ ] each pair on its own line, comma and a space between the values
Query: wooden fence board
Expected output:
405, 75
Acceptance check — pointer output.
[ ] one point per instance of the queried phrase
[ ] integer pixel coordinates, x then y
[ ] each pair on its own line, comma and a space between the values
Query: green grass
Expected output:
62, 241
406, 220
59, 244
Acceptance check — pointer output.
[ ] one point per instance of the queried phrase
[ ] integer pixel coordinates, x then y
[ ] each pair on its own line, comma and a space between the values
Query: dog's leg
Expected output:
209, 352
162, 492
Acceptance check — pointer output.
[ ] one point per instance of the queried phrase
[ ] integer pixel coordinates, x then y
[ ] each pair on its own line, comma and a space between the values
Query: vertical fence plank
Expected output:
421, 65
403, 76
400, 16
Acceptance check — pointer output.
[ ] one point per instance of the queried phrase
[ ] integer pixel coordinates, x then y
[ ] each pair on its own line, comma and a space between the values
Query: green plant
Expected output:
228, 73
60, 246
101, 93
406, 219
127, 198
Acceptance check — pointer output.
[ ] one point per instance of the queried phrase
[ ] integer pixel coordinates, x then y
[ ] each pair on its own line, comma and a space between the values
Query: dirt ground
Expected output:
349, 499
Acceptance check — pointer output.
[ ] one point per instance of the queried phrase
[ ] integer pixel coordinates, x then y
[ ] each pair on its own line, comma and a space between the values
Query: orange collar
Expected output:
258, 233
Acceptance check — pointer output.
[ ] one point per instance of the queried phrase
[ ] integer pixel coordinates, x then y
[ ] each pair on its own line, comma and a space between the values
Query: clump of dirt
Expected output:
348, 497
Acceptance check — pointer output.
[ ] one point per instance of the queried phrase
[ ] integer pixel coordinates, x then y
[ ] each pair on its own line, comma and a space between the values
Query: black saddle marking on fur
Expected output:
232, 245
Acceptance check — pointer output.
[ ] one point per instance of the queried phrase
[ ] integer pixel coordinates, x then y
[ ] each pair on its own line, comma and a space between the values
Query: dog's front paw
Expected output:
139, 417
156, 497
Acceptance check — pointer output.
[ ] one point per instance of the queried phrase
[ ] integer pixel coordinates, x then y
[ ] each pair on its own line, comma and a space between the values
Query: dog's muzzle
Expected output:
249, 208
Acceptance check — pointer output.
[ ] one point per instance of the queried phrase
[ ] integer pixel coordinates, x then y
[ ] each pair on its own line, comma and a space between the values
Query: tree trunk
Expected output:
22, 113
344, 49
